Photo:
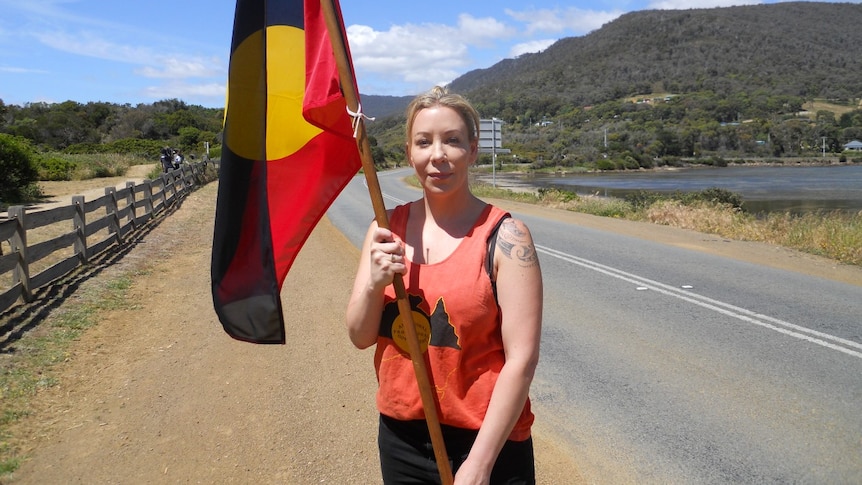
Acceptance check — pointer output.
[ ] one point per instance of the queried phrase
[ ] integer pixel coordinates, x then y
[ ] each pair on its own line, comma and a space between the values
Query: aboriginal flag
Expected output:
288, 150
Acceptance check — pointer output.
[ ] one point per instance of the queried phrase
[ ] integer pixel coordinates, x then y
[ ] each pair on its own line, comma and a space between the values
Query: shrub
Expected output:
126, 146
720, 196
135, 146
55, 168
155, 172
18, 174
215, 152
643, 199
715, 196
712, 195
85, 148
628, 162
551, 194
717, 161
605, 164
603, 206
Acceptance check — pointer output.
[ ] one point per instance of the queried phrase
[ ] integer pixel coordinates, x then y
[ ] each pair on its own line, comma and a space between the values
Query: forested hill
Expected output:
811, 50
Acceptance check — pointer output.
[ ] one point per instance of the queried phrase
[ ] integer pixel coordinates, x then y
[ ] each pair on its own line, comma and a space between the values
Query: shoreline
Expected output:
753, 162
783, 194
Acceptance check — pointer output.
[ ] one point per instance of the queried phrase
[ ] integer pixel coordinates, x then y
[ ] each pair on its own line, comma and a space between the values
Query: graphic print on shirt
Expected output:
435, 329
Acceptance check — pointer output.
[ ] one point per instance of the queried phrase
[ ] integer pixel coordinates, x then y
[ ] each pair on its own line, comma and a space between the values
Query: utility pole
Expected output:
824, 146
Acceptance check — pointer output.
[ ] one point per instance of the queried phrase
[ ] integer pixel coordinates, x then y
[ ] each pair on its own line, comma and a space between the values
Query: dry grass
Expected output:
835, 235
701, 217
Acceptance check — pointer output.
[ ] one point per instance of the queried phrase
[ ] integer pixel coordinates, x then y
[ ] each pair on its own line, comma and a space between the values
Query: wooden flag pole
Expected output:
348, 87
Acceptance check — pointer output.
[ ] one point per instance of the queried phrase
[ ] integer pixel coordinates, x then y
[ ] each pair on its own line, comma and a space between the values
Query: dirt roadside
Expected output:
157, 392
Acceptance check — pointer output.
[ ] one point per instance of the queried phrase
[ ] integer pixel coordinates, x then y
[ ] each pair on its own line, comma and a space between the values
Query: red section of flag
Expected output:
304, 186
323, 105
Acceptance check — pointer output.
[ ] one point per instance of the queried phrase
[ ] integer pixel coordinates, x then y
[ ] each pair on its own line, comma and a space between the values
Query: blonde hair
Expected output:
440, 96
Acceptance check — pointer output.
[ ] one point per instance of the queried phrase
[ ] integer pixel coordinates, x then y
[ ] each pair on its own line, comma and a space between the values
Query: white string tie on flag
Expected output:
357, 117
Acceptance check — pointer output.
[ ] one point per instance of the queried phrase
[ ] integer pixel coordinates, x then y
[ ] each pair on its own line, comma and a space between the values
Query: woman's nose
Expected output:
437, 151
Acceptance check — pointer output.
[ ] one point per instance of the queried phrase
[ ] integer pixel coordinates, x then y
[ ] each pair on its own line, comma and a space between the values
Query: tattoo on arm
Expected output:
514, 242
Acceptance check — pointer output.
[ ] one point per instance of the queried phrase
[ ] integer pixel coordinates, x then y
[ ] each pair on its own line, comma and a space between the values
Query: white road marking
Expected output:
786, 328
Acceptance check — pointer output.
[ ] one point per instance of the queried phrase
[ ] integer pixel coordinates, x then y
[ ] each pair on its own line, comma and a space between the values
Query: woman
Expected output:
477, 307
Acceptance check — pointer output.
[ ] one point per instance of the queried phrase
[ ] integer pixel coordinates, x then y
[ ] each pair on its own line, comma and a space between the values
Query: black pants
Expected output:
407, 455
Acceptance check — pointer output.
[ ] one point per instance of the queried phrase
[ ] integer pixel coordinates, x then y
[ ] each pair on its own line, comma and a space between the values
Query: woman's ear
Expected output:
407, 154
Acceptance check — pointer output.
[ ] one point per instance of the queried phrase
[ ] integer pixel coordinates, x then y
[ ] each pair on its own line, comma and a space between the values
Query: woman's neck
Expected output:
436, 228
453, 210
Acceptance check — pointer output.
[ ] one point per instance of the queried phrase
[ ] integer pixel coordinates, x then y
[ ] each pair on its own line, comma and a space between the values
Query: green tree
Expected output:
18, 173
3, 112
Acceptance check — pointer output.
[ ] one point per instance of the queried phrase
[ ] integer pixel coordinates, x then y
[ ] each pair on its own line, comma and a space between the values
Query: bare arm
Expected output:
519, 291
381, 258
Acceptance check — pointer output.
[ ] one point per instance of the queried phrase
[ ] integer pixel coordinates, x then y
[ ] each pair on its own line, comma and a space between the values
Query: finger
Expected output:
383, 235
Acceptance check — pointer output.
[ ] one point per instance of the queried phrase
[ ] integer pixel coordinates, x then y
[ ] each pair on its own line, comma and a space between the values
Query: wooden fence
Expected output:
94, 227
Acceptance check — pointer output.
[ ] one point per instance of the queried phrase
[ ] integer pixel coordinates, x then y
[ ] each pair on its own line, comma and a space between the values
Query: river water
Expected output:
796, 189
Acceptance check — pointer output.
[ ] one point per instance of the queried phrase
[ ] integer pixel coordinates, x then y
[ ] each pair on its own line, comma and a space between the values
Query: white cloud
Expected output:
482, 31
155, 65
417, 54
61, 13
422, 55
529, 47
182, 68
91, 45
22, 70
185, 90
560, 20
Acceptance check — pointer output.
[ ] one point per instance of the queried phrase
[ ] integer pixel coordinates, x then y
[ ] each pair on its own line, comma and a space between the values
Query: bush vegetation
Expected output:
64, 166
78, 141
18, 174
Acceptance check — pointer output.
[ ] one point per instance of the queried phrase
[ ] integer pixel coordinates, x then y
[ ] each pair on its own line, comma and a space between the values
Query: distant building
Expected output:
854, 145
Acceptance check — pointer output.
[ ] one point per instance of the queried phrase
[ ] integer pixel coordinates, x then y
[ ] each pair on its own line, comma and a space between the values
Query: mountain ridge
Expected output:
800, 48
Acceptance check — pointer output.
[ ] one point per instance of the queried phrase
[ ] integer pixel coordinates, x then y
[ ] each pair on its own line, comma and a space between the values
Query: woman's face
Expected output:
440, 149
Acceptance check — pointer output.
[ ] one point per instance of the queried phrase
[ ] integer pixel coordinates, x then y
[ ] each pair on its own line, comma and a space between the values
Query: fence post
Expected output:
181, 177
172, 181
111, 211
79, 224
130, 202
193, 170
188, 180
165, 191
148, 198
19, 245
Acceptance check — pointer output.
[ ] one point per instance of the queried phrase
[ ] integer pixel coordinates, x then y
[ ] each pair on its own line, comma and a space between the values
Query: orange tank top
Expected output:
458, 323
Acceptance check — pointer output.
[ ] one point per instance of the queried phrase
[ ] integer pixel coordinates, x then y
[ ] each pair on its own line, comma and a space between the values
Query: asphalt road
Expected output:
662, 364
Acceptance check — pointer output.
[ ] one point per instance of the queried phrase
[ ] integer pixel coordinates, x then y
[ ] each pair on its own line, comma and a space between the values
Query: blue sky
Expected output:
133, 51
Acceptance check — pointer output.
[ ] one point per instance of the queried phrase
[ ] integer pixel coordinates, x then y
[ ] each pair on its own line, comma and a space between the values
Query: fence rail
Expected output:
94, 227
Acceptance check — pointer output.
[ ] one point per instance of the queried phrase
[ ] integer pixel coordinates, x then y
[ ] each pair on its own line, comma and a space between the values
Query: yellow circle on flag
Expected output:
264, 108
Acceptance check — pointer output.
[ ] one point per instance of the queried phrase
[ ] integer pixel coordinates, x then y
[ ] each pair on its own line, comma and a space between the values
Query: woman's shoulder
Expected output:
496, 213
